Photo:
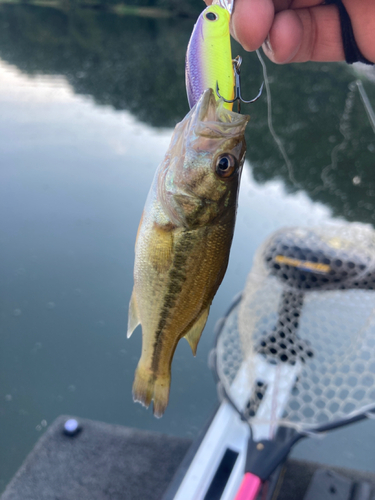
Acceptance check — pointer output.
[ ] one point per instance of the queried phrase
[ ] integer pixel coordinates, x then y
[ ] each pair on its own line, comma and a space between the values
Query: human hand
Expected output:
302, 30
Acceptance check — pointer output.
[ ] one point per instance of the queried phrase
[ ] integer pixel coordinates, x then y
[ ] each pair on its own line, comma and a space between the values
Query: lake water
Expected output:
88, 102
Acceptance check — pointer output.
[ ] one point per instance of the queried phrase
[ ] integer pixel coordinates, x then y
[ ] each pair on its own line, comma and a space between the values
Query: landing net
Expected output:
299, 347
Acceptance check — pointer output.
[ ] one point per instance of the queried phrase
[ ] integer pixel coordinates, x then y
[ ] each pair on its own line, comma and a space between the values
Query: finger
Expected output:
295, 4
286, 4
301, 35
362, 15
285, 37
251, 22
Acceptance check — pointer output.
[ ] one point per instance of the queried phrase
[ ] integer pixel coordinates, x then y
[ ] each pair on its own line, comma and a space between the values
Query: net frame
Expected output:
357, 354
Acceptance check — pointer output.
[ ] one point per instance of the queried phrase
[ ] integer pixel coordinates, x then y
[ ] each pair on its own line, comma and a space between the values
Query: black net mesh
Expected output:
299, 348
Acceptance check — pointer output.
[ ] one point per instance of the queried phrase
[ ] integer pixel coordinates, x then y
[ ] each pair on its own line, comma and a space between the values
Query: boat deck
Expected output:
111, 462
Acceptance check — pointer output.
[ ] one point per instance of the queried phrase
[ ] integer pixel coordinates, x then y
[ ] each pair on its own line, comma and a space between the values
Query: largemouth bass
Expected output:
184, 239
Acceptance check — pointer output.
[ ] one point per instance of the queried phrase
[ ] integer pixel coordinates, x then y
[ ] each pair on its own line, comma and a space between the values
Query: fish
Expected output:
184, 239
209, 56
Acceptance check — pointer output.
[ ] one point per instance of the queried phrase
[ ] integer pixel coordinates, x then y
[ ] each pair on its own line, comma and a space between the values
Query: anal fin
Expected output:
195, 332
133, 318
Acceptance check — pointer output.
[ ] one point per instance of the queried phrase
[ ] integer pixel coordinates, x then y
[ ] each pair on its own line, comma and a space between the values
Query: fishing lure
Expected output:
209, 57
209, 62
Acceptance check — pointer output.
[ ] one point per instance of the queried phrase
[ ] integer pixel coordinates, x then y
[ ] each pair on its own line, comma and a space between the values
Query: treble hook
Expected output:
238, 97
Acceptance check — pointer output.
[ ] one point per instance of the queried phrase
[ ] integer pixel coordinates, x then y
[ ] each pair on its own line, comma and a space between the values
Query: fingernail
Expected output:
267, 44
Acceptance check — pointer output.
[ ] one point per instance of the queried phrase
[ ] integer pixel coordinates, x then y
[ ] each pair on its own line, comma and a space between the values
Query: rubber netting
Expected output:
307, 311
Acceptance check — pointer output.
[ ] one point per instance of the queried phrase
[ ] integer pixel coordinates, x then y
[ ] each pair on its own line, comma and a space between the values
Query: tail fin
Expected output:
147, 387
161, 395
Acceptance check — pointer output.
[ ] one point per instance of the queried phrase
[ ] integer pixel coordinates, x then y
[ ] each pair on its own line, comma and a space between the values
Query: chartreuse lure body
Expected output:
209, 57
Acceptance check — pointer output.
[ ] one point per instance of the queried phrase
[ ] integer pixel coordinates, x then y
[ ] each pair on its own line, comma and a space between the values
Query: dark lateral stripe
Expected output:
177, 277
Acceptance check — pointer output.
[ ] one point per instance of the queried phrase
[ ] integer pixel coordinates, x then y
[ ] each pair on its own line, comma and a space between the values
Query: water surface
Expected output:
84, 121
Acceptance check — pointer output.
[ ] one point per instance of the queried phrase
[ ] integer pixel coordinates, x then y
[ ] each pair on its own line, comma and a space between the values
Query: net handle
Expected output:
250, 487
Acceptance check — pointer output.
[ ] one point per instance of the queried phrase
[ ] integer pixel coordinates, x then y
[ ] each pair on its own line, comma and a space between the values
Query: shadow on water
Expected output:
136, 63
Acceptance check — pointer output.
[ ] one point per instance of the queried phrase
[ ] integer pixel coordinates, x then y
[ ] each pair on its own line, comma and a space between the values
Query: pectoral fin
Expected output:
133, 318
161, 249
195, 332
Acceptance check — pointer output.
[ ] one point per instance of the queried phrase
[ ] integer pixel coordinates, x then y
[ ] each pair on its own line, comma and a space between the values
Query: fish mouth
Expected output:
212, 119
206, 106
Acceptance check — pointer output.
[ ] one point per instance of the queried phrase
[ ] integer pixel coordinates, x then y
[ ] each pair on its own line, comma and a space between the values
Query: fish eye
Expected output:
211, 16
226, 165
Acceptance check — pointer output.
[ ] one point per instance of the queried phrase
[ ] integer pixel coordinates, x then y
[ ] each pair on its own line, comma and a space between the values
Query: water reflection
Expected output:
137, 64
127, 62
83, 125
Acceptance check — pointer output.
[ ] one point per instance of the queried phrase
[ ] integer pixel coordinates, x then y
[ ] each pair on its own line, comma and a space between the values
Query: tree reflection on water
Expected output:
137, 64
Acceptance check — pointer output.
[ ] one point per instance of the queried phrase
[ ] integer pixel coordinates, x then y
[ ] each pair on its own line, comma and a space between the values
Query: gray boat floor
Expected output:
110, 462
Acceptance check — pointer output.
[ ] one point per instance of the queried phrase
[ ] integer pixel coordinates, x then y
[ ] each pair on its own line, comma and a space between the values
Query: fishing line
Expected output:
275, 137
345, 132
344, 129
367, 104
